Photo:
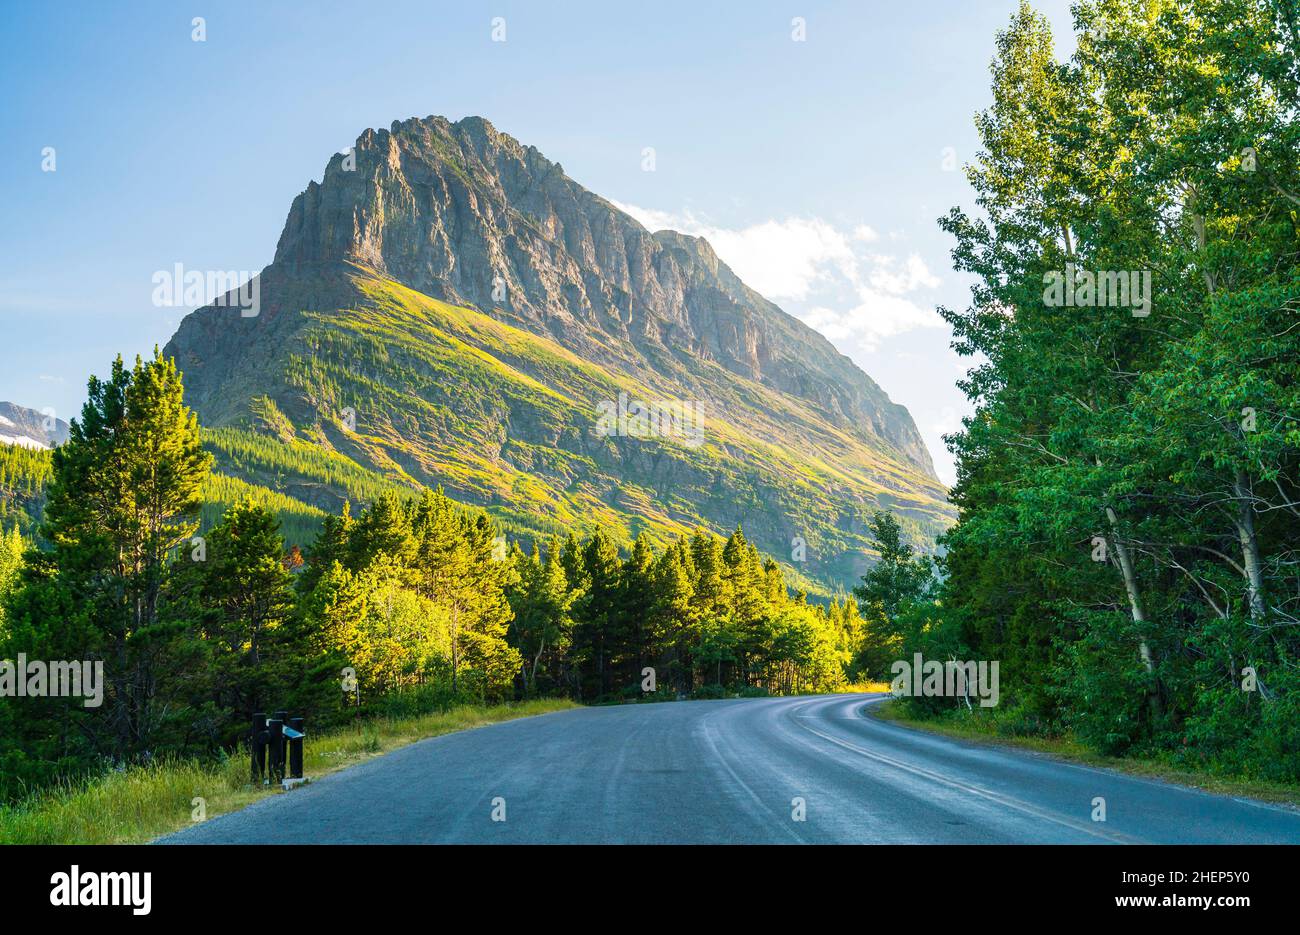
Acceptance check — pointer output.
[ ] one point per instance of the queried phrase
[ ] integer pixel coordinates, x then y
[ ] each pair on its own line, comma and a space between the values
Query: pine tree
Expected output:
674, 620
487, 649
633, 646
595, 611
330, 546
384, 528
743, 572
457, 567
898, 581
245, 598
540, 599
571, 561
123, 498
11, 563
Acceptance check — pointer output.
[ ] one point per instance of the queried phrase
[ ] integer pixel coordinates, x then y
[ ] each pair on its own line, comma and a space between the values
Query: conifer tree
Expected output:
541, 600
596, 609
243, 598
123, 498
634, 646
11, 562
674, 619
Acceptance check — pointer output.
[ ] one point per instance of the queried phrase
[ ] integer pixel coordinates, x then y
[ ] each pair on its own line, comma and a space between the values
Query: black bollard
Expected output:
283, 718
295, 749
257, 746
275, 744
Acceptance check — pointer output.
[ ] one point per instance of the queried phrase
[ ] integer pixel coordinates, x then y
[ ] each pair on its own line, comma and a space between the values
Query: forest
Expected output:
1129, 526
413, 604
1128, 540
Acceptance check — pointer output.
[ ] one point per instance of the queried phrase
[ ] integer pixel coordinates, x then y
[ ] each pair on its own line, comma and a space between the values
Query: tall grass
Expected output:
1005, 728
866, 687
141, 803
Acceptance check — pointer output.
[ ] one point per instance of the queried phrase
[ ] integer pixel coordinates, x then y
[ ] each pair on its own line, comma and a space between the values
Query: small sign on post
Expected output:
275, 744
294, 735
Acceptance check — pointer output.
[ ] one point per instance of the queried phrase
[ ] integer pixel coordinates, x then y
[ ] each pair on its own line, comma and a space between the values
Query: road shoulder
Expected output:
1065, 751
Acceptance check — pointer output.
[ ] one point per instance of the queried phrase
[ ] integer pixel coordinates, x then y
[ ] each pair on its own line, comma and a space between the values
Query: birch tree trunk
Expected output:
1245, 523
1139, 614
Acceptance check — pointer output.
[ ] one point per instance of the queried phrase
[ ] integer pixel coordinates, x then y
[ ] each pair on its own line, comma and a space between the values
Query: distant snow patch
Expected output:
21, 440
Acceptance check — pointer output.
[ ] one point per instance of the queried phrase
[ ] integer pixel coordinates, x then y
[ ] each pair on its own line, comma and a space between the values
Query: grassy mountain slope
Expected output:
505, 418
449, 307
24, 472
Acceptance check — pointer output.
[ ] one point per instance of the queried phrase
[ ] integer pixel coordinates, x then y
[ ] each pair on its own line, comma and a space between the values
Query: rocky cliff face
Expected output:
448, 307
464, 213
29, 428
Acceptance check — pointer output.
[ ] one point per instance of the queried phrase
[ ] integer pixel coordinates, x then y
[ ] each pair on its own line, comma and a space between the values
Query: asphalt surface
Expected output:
723, 772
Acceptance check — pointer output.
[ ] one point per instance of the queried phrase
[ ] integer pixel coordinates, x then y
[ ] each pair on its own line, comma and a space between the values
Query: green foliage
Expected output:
893, 596
411, 591
124, 495
299, 522
700, 612
1127, 491
295, 465
542, 628
24, 472
235, 603
12, 547
504, 419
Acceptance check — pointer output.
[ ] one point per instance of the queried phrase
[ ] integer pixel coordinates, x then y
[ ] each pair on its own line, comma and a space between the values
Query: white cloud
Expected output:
650, 218
779, 259
890, 276
947, 423
877, 315
860, 289
810, 260
785, 259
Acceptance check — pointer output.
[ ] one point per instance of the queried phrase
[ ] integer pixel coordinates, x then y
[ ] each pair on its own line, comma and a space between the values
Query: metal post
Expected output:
257, 746
275, 743
283, 718
295, 750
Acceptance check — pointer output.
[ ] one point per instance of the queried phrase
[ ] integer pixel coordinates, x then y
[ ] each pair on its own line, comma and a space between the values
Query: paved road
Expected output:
729, 772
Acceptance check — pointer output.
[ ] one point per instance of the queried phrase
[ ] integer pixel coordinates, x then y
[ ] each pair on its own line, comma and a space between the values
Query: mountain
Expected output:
26, 437
29, 428
448, 307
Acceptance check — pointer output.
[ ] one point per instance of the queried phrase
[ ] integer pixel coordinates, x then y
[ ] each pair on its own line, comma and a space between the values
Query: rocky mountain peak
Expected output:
467, 214
447, 307
29, 428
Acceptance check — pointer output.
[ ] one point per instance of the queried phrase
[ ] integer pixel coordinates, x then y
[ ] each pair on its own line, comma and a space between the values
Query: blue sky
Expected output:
816, 167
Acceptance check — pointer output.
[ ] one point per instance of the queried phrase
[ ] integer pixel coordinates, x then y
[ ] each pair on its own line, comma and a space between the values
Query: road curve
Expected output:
730, 772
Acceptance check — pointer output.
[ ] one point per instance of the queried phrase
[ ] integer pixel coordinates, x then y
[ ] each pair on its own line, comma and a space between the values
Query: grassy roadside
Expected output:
984, 731
864, 687
143, 803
